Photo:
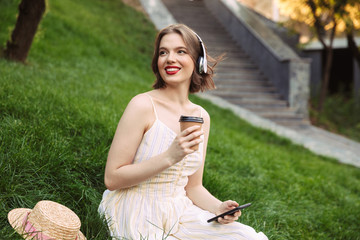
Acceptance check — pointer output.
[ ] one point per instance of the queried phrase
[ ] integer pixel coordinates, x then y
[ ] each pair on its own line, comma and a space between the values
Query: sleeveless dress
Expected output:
159, 208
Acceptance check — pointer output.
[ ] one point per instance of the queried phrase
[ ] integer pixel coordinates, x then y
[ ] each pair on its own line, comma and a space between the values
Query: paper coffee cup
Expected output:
188, 121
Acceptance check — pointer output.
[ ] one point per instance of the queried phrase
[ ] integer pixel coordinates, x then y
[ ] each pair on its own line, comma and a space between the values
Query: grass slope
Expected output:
58, 115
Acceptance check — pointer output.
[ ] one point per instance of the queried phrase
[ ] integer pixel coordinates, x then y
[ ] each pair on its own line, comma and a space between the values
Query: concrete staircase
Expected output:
238, 79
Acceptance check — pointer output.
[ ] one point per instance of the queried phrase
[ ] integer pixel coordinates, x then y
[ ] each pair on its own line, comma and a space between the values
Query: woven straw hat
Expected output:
48, 220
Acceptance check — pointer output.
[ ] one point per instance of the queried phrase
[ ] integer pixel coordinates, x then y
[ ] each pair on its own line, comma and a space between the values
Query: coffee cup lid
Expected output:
191, 119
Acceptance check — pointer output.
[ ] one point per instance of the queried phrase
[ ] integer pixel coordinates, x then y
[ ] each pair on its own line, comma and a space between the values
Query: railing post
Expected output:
299, 75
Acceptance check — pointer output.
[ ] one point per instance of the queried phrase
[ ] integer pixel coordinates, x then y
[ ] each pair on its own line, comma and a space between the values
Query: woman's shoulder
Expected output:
141, 99
203, 111
141, 103
206, 117
139, 112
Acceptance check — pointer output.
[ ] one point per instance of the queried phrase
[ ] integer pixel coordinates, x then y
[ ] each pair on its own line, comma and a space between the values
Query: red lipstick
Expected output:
171, 70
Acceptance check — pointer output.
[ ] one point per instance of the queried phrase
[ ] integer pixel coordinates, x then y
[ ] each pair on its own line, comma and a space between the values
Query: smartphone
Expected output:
230, 212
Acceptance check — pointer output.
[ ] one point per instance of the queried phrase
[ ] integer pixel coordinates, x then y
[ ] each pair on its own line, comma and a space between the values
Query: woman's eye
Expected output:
162, 53
182, 51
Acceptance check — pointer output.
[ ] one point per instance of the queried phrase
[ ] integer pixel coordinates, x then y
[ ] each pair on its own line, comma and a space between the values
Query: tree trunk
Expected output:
352, 46
326, 77
327, 69
30, 14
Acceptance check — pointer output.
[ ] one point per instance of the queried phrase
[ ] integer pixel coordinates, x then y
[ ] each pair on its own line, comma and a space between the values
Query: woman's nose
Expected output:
171, 57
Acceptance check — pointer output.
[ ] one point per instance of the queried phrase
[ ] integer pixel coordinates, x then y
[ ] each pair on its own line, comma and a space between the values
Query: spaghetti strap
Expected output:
152, 102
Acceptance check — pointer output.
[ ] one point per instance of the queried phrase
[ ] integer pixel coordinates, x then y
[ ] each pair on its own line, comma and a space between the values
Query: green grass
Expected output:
59, 112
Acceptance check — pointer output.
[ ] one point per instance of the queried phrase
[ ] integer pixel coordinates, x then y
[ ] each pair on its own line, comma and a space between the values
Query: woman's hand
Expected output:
181, 146
226, 206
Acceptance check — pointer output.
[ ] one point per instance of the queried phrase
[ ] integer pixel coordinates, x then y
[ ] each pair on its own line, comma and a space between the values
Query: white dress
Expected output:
159, 208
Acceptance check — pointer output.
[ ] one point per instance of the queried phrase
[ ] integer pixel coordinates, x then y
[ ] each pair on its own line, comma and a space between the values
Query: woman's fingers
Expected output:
183, 142
229, 218
190, 137
191, 133
189, 130
225, 206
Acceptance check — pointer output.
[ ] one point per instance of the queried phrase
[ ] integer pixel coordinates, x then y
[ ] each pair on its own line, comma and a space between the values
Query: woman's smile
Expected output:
171, 70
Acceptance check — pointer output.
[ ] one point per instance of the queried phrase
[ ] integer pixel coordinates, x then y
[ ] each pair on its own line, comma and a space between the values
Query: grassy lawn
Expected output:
58, 115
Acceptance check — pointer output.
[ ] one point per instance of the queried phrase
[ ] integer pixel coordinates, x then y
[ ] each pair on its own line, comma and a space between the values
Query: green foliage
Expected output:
58, 115
341, 115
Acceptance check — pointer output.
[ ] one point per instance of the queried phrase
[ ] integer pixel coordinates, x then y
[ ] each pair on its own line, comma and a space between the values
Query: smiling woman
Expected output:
189, 44
154, 168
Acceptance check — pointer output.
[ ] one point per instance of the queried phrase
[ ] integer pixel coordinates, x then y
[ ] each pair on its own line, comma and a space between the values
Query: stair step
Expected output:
222, 73
230, 51
242, 82
236, 71
268, 108
237, 58
246, 85
244, 88
251, 103
245, 80
226, 65
279, 115
233, 95
284, 119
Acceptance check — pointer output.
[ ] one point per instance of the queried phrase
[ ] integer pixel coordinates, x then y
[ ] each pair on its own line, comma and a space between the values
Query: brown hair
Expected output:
199, 82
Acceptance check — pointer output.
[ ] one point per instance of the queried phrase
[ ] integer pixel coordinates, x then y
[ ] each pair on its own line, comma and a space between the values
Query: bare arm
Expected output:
200, 196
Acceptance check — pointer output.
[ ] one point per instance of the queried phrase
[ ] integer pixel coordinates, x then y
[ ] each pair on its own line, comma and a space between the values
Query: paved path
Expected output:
315, 139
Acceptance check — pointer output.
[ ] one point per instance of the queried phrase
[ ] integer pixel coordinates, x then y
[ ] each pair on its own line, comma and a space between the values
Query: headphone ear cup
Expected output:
200, 64
202, 61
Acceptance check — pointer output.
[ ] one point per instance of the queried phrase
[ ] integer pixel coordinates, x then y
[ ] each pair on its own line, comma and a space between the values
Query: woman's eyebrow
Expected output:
179, 47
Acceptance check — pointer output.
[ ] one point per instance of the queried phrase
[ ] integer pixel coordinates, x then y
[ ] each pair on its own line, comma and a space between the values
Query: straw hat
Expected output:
47, 221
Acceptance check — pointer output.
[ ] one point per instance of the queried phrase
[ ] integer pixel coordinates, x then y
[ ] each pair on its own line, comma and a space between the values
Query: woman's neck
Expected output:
176, 96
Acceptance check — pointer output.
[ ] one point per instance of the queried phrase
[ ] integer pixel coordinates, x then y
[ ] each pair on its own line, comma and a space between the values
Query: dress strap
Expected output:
152, 102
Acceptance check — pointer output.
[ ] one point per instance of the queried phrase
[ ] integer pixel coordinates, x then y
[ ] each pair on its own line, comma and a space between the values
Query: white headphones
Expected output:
202, 61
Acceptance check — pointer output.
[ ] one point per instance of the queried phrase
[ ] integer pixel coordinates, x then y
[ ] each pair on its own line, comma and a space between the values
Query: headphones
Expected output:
202, 61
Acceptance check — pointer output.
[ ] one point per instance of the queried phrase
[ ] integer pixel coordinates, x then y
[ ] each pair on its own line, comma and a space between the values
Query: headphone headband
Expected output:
202, 61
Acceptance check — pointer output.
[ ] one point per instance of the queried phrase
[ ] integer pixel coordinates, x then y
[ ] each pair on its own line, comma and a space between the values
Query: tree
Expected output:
327, 17
352, 45
326, 14
351, 20
29, 17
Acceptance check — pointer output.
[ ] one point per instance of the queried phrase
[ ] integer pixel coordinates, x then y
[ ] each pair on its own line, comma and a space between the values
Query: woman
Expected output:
153, 177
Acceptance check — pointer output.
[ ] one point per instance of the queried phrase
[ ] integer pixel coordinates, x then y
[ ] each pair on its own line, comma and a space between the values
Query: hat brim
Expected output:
16, 219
